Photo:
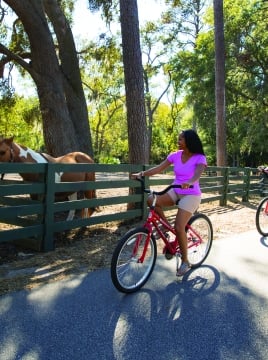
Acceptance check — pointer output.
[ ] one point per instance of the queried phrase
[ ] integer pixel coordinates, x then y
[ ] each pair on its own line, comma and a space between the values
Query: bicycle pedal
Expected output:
167, 253
168, 256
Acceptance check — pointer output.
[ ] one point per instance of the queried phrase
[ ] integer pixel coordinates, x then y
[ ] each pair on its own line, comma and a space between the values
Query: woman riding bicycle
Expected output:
189, 163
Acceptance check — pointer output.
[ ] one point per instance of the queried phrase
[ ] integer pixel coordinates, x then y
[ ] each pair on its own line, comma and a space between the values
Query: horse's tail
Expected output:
91, 194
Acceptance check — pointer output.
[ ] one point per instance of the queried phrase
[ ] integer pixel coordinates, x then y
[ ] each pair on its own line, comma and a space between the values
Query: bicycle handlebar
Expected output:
162, 192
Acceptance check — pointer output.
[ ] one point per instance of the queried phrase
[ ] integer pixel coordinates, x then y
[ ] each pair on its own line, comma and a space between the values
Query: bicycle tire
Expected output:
201, 224
128, 275
261, 219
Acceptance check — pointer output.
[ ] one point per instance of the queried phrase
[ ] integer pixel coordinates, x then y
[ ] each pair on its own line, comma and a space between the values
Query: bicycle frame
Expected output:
153, 221
266, 208
135, 255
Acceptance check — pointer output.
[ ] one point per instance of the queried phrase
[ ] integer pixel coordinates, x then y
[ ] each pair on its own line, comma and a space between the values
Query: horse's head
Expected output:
6, 149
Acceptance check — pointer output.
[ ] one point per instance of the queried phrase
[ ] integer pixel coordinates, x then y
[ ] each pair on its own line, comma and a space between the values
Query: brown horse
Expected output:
13, 152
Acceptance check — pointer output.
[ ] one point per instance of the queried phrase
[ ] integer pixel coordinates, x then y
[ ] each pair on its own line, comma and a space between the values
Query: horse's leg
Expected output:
71, 212
89, 194
73, 196
84, 213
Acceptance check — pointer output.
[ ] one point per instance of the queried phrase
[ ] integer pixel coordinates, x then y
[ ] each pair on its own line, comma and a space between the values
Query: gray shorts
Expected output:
188, 203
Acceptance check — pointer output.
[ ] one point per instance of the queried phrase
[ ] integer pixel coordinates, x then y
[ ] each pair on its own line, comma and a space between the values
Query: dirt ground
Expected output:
89, 249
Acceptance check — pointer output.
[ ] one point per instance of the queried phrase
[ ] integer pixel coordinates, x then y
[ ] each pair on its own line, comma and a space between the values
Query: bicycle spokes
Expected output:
133, 260
199, 235
139, 250
193, 238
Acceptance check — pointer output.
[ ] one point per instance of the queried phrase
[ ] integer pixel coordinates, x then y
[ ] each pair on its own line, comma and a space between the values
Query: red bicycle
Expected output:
135, 255
261, 218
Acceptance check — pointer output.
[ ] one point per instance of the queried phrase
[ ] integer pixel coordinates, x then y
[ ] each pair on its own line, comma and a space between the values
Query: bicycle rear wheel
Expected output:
199, 243
128, 273
262, 217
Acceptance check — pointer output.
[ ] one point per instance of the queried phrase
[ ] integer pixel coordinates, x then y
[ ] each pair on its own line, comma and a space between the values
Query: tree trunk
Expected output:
63, 108
72, 83
134, 85
220, 83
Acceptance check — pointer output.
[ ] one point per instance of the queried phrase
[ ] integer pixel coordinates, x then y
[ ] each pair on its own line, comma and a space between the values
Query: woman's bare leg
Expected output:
182, 219
161, 202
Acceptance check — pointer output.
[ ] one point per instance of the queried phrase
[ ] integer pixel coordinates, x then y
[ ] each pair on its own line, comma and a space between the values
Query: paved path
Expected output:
219, 311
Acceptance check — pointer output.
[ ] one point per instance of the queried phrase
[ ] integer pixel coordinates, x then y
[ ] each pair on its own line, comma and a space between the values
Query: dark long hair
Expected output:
193, 142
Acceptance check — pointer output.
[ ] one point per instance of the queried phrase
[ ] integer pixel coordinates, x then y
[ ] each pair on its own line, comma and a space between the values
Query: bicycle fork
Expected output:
137, 244
265, 210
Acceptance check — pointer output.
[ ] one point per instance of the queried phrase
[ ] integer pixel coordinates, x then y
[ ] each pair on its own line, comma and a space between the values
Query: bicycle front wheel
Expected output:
132, 264
262, 217
199, 239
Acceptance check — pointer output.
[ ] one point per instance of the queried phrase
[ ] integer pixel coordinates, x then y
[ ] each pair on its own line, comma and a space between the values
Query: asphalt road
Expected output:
218, 311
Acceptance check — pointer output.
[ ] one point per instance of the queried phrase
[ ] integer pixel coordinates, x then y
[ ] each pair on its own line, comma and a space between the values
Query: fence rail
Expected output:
22, 218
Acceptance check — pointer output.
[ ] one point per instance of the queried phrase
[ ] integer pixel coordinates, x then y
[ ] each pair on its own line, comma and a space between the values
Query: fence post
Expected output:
48, 236
225, 174
263, 184
144, 195
245, 196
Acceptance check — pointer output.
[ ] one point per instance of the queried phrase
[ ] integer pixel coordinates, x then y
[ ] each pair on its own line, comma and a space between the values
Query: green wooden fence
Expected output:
24, 218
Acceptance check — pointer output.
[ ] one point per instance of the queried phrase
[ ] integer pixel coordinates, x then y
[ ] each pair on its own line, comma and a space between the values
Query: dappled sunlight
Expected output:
174, 308
54, 291
164, 318
196, 307
121, 334
5, 305
49, 270
9, 348
30, 277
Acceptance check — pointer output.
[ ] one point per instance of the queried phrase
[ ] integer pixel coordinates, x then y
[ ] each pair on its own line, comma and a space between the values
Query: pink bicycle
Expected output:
135, 255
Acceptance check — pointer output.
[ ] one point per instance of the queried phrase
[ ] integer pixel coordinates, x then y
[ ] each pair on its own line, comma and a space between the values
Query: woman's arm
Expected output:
153, 171
198, 172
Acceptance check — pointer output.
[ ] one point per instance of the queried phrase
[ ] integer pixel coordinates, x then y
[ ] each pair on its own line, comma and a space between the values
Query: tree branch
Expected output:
10, 56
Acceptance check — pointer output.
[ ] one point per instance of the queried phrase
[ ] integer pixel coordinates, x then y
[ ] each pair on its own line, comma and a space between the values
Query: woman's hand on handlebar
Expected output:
138, 175
186, 186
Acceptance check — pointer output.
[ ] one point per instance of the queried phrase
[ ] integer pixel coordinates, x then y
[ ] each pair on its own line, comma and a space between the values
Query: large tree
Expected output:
182, 25
220, 83
134, 84
52, 63
133, 75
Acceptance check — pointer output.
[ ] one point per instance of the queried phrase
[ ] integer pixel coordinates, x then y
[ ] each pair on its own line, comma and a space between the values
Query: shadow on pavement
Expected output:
206, 315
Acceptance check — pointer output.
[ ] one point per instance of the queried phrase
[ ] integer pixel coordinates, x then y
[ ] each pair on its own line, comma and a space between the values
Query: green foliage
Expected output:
181, 45
21, 118
247, 96
108, 160
108, 7
102, 74
165, 134
192, 68
68, 7
110, 138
